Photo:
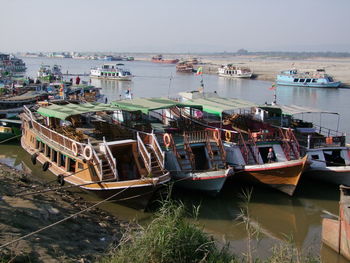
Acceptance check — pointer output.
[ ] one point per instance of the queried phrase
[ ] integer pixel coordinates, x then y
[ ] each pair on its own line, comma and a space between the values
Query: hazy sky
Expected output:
174, 26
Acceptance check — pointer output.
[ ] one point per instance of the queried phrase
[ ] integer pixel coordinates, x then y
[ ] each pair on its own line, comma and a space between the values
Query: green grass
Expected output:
169, 238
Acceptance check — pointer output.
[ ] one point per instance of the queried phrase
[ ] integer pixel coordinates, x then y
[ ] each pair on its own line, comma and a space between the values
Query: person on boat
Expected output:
271, 156
77, 80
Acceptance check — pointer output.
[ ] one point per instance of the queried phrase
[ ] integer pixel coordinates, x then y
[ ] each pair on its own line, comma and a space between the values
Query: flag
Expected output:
199, 71
273, 87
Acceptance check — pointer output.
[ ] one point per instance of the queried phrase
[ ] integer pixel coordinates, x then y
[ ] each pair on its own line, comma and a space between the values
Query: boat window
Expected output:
62, 160
71, 167
330, 79
333, 158
296, 80
315, 157
301, 80
54, 156
308, 80
314, 80
80, 166
201, 162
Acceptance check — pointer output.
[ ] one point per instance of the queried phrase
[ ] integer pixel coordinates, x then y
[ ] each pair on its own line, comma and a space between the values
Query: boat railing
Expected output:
111, 160
328, 132
97, 161
285, 146
188, 150
293, 141
254, 148
61, 140
243, 147
311, 141
160, 155
196, 136
146, 156
218, 140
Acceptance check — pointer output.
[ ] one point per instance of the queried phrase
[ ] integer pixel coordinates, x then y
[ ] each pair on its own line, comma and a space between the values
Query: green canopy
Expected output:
64, 111
146, 105
217, 105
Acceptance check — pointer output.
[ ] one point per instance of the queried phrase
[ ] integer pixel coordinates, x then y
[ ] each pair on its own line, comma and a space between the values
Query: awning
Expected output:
146, 105
218, 105
64, 111
295, 109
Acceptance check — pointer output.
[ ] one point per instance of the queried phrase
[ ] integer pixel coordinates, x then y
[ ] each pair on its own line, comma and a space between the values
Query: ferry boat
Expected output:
160, 59
248, 141
48, 74
194, 157
12, 65
231, 71
317, 79
184, 67
328, 155
111, 71
81, 146
336, 231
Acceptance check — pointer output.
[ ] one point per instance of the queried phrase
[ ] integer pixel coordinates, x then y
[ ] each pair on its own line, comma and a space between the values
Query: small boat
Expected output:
195, 158
248, 141
231, 71
111, 71
184, 67
160, 59
336, 232
81, 146
328, 155
316, 78
48, 74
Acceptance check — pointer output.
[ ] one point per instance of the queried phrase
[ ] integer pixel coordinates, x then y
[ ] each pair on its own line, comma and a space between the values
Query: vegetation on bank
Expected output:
170, 237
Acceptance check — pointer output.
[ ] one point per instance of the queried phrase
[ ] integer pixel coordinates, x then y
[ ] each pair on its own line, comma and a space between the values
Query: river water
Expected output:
279, 217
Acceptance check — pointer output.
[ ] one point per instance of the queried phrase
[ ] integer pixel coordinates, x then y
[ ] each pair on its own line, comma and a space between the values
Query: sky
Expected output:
174, 26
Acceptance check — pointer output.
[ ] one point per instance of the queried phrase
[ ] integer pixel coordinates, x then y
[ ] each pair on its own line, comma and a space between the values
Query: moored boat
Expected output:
80, 145
248, 142
231, 71
184, 67
317, 79
48, 74
10, 129
195, 157
160, 59
111, 71
328, 155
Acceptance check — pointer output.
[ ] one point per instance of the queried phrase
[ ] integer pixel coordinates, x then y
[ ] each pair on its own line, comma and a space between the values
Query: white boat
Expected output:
313, 78
231, 71
111, 71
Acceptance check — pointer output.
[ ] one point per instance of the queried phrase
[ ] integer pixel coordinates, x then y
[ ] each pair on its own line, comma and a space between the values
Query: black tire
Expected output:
33, 158
46, 166
60, 179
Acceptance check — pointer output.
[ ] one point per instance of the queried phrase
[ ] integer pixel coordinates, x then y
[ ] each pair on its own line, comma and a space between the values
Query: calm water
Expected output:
276, 214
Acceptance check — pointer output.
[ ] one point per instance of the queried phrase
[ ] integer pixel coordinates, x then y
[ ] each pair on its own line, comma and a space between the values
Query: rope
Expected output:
63, 220
9, 139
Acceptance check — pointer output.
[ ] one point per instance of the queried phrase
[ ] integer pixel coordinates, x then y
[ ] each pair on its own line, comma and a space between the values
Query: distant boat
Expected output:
47, 74
111, 71
159, 59
317, 79
184, 66
11, 65
231, 71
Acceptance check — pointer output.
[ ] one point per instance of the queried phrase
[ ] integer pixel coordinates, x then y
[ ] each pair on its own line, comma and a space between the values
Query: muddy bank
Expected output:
83, 238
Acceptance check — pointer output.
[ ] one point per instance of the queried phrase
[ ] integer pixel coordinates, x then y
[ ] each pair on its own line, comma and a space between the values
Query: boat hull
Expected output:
235, 76
283, 176
210, 182
134, 193
125, 78
334, 175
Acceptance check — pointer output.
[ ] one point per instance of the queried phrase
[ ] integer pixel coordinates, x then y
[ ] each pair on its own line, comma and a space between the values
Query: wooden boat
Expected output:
328, 155
160, 59
184, 67
195, 157
79, 144
248, 141
336, 232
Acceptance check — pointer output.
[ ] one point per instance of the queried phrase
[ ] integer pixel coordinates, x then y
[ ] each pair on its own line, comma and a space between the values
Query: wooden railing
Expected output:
188, 150
97, 161
243, 147
285, 146
294, 143
253, 147
111, 160
146, 156
196, 136
160, 155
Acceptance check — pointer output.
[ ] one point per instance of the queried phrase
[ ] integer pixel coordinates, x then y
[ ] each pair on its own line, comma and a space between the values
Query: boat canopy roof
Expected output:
295, 109
145, 105
218, 105
64, 111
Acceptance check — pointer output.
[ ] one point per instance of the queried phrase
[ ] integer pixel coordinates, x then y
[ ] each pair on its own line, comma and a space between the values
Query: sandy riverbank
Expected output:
266, 68
83, 238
